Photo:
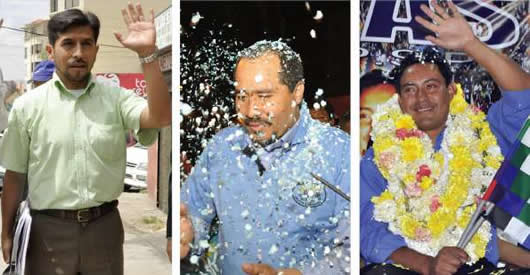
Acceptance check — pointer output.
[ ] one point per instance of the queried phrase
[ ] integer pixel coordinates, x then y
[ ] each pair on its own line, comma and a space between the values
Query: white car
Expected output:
136, 170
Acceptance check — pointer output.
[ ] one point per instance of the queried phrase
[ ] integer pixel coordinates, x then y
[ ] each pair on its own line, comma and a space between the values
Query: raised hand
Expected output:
452, 30
141, 36
186, 231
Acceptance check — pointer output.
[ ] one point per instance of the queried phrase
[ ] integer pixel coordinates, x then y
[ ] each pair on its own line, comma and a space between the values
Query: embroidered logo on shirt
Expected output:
309, 194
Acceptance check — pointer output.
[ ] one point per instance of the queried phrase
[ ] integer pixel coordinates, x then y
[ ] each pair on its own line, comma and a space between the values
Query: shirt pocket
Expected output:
107, 141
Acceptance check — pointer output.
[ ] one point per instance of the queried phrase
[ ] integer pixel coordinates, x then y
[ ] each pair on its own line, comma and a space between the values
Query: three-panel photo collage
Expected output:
265, 137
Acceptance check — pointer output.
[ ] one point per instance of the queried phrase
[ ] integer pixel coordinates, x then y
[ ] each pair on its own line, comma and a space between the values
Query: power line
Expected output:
40, 34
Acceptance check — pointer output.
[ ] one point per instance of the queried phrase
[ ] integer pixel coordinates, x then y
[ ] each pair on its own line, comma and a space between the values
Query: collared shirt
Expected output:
505, 118
72, 149
284, 217
272, 151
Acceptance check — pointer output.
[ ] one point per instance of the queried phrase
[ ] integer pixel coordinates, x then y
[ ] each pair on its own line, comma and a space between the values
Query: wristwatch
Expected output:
150, 58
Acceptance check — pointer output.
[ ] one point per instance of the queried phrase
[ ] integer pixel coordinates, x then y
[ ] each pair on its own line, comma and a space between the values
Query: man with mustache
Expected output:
65, 139
274, 216
424, 85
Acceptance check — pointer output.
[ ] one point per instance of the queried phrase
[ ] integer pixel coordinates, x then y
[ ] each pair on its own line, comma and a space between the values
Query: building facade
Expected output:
35, 41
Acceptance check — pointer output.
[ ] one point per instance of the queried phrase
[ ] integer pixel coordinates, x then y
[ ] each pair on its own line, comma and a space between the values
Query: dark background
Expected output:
208, 55
326, 58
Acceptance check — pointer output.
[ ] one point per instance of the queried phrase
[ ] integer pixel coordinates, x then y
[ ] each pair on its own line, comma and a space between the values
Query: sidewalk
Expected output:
145, 236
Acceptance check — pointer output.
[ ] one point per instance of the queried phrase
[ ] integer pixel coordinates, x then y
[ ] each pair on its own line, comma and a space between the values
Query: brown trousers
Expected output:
65, 247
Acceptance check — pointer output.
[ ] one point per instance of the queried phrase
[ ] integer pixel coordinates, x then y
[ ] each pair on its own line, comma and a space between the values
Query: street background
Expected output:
145, 236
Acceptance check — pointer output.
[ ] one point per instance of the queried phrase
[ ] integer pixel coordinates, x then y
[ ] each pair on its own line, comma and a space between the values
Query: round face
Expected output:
265, 106
425, 96
370, 98
74, 54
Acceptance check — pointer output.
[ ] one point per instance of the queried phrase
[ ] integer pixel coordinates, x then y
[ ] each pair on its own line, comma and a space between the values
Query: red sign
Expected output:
135, 82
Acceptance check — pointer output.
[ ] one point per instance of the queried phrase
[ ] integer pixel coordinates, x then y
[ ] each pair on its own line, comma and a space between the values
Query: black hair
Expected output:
344, 118
372, 78
62, 21
428, 55
292, 70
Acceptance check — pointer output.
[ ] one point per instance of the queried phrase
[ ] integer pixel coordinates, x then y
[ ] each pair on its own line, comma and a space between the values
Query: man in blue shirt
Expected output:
429, 109
274, 216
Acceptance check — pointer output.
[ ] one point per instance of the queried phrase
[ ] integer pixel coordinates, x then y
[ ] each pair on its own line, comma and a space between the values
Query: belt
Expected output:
85, 215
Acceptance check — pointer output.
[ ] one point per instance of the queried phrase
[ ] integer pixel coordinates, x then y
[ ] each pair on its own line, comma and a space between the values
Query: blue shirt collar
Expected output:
439, 139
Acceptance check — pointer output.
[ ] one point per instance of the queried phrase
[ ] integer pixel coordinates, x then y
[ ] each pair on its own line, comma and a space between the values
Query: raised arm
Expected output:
454, 32
141, 39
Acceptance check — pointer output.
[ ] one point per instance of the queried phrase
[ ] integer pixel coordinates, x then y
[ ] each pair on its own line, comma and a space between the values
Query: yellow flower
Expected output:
409, 179
412, 149
463, 220
405, 122
438, 221
458, 103
425, 183
409, 226
382, 144
480, 245
477, 120
386, 195
462, 161
493, 162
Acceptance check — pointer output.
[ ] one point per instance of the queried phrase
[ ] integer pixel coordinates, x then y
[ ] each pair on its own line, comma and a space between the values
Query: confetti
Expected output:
313, 33
319, 15
196, 18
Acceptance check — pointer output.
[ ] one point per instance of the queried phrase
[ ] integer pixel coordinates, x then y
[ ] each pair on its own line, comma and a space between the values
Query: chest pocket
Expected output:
107, 141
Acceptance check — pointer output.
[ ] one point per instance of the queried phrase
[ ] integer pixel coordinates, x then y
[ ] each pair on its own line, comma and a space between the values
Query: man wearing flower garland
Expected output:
274, 216
432, 155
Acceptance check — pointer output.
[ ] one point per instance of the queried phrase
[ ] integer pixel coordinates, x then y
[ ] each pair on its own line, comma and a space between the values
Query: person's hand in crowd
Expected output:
186, 231
141, 35
264, 269
452, 30
447, 261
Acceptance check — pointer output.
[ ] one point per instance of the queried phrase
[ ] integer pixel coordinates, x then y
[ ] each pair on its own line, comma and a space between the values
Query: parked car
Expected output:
136, 170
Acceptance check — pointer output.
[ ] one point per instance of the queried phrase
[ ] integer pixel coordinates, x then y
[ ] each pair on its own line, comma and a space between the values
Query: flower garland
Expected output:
431, 195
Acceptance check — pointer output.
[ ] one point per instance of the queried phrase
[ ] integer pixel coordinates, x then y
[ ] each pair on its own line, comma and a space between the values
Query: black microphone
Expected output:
249, 152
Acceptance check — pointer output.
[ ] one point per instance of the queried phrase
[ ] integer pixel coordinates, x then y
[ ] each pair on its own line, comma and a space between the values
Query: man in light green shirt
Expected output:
65, 139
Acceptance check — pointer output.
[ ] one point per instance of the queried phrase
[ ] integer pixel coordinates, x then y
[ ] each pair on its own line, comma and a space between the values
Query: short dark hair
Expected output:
428, 55
372, 78
62, 21
292, 70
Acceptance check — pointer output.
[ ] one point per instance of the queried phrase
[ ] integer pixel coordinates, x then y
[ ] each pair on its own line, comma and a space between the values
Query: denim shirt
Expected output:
505, 118
284, 217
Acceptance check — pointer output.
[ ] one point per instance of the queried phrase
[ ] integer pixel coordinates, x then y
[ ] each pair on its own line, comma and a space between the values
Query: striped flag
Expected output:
510, 191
